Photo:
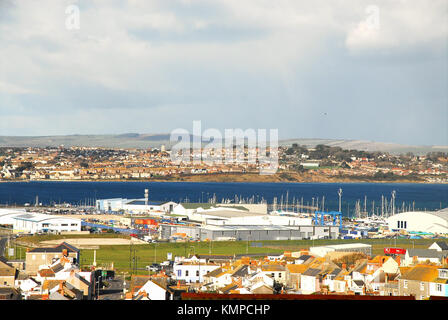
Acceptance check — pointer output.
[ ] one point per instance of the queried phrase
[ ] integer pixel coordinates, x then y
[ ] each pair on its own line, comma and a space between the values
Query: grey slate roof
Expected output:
426, 253
241, 272
56, 268
311, 272
442, 244
359, 283
58, 248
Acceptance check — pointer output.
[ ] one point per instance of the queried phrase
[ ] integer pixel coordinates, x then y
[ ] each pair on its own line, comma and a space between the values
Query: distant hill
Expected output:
393, 148
142, 141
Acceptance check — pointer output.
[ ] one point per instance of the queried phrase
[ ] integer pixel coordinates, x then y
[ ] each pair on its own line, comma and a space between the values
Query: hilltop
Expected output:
142, 141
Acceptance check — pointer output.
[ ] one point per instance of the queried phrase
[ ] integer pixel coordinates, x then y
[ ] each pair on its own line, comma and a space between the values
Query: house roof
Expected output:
229, 287
46, 273
4, 261
241, 271
214, 257
57, 267
58, 248
273, 267
312, 272
213, 273
359, 283
7, 272
57, 296
421, 273
50, 284
305, 257
426, 253
82, 279
442, 245
296, 268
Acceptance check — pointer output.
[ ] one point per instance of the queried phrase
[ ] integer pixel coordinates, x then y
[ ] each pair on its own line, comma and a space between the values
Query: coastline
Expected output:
240, 179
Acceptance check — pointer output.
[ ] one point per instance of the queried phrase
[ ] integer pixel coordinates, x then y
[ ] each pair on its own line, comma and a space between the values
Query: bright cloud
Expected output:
259, 64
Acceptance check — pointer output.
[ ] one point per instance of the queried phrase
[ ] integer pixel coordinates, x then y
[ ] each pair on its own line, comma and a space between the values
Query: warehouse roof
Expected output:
229, 213
440, 213
37, 217
248, 227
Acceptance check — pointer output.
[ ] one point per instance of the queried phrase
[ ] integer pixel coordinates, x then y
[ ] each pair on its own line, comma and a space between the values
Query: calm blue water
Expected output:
422, 196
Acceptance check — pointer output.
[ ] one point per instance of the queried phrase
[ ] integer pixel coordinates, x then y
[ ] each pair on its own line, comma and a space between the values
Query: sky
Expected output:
342, 69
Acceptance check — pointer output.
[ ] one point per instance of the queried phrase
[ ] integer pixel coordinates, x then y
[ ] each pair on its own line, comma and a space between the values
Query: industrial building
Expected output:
36, 223
134, 206
237, 215
322, 251
248, 232
7, 216
189, 208
29, 222
420, 221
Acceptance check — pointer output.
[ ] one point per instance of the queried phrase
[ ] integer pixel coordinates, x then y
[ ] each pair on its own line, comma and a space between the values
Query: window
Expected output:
186, 273
279, 274
439, 287
405, 224
422, 286
405, 284
73, 224
64, 224
179, 273
197, 273
398, 224
272, 275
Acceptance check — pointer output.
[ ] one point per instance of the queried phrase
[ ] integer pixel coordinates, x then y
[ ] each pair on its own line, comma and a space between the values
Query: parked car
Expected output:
155, 267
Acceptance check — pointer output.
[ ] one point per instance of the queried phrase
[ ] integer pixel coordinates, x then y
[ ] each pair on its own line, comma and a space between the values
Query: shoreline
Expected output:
329, 181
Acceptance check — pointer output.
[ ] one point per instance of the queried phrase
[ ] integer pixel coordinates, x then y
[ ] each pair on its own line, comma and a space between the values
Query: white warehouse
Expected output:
7, 215
36, 222
420, 221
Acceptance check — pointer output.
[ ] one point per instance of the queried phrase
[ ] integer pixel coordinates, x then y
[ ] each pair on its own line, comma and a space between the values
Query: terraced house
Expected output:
419, 280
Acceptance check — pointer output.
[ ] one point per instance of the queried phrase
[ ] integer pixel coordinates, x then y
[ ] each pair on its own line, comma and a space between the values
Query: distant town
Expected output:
295, 164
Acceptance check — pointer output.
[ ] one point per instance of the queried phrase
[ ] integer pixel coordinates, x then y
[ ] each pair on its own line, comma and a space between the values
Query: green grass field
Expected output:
48, 237
150, 253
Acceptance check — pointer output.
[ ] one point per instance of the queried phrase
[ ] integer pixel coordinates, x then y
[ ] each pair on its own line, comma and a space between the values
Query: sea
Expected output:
407, 196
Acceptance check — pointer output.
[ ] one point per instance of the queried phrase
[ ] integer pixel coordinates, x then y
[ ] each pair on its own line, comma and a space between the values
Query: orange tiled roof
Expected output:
46, 273
296, 268
422, 273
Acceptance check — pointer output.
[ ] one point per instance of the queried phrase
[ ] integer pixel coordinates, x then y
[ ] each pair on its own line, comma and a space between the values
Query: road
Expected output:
114, 291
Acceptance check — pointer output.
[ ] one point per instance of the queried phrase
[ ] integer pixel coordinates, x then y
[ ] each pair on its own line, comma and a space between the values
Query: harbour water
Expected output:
368, 195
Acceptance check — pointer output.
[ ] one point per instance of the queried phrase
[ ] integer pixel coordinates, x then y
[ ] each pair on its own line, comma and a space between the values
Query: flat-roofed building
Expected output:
322, 251
249, 232
37, 222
